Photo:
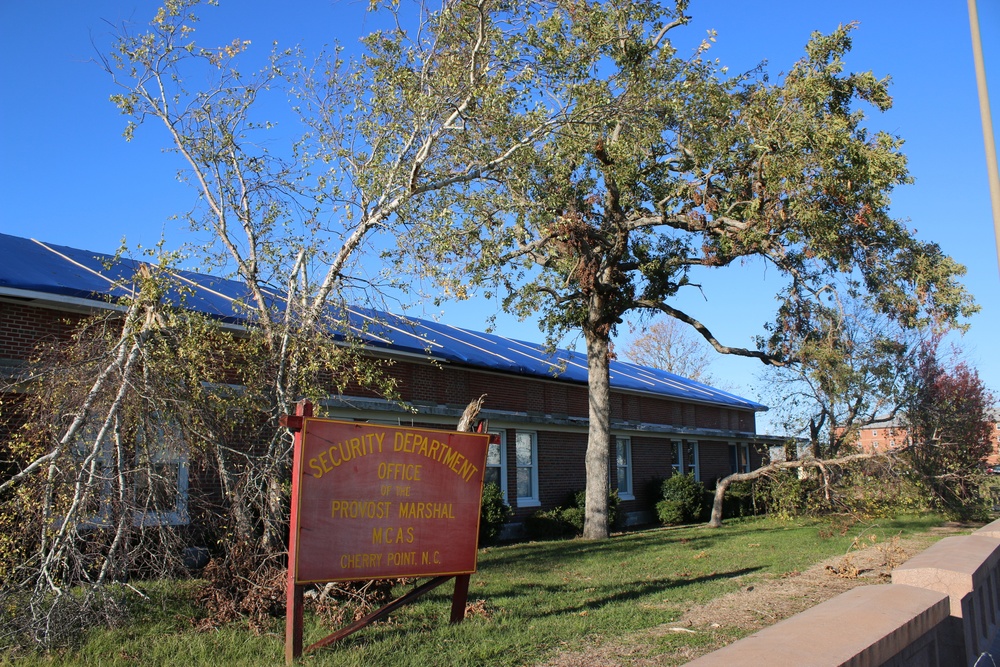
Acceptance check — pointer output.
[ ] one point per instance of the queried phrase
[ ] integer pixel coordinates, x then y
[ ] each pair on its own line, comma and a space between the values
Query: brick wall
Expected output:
651, 460
561, 468
23, 327
714, 461
560, 453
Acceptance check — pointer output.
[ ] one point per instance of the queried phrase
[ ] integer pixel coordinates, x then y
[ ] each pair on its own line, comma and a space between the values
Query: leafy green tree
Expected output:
667, 168
853, 370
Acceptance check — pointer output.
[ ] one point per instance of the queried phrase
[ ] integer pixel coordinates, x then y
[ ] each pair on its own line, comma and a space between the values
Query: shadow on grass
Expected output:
541, 555
614, 595
433, 617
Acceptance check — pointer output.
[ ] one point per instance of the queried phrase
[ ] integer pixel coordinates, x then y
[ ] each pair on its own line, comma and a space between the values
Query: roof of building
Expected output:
36, 270
886, 421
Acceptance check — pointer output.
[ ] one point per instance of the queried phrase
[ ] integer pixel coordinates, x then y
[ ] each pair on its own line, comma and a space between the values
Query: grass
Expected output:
537, 599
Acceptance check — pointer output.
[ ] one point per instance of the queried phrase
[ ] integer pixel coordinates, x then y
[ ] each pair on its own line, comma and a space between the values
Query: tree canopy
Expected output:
667, 166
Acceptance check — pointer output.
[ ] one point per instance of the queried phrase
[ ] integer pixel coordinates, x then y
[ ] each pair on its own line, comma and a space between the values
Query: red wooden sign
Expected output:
380, 502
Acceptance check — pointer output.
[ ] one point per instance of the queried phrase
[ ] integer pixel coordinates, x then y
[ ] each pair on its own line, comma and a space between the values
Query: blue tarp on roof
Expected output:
29, 265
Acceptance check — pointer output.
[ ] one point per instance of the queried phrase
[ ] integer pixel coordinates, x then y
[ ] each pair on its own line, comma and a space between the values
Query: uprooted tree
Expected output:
670, 168
384, 135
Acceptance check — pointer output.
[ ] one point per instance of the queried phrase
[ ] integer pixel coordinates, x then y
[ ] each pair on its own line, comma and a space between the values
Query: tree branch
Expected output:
707, 335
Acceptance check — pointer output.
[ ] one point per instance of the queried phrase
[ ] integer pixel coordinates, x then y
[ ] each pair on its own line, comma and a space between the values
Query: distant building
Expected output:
886, 434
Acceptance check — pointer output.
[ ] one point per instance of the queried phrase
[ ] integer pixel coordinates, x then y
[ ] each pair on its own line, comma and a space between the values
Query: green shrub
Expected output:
739, 500
493, 513
579, 501
786, 495
682, 497
548, 525
869, 492
566, 520
670, 512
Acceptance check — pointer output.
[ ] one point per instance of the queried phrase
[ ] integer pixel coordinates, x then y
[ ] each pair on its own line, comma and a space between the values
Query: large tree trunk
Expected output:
595, 524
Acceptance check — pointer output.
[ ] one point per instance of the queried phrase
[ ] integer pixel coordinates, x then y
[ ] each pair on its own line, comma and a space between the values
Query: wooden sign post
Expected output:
380, 502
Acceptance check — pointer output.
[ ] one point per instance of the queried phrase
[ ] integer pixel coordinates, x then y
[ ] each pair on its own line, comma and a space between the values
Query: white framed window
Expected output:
496, 463
677, 457
160, 483
526, 457
92, 473
153, 477
623, 451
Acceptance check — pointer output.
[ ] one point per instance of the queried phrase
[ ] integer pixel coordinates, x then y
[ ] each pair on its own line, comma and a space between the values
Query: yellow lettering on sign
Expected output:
360, 509
392, 535
355, 561
396, 471
426, 511
403, 558
414, 443
347, 450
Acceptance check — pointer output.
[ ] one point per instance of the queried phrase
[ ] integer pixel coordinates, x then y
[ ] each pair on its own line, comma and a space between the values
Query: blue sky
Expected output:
68, 177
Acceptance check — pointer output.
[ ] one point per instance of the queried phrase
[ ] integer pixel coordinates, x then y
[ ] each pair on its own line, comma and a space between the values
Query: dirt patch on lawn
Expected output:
758, 605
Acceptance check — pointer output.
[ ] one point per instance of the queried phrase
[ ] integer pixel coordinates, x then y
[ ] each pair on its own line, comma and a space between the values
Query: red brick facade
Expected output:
890, 435
554, 411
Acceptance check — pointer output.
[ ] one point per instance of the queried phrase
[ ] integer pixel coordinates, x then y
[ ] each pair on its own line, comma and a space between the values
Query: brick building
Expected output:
537, 400
886, 434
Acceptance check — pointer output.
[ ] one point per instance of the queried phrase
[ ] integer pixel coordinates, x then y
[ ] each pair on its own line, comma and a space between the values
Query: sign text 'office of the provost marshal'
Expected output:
384, 501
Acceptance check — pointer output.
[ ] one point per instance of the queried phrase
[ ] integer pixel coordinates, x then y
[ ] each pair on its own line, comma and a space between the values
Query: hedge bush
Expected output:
682, 500
567, 520
493, 513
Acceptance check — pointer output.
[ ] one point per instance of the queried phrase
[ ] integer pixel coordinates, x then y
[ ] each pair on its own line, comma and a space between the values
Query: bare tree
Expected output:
669, 346
853, 371
392, 134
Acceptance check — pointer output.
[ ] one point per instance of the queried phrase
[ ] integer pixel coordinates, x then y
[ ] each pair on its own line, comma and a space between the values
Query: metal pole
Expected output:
984, 112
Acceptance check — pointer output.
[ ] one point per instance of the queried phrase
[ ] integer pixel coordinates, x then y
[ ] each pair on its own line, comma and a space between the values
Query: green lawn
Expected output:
539, 598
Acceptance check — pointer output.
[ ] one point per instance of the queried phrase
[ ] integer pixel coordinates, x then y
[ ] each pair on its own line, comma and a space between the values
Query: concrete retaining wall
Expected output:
942, 609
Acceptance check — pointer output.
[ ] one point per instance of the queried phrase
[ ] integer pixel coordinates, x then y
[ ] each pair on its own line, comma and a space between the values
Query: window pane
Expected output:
493, 454
491, 476
623, 480
524, 449
524, 489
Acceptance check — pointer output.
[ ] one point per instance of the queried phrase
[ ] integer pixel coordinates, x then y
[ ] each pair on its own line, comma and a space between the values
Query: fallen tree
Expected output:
823, 465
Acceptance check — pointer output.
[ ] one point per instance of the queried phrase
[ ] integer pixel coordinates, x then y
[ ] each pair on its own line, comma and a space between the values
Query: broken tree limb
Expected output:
822, 464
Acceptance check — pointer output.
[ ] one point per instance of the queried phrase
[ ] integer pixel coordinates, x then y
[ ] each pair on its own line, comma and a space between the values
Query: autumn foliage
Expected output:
950, 429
